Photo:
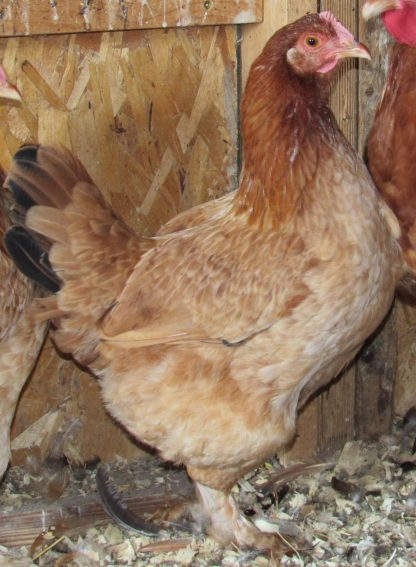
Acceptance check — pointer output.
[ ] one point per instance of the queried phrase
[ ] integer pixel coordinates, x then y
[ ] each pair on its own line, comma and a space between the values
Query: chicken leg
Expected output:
226, 523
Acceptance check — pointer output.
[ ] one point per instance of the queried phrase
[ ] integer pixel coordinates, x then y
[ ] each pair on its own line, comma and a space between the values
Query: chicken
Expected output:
208, 336
392, 140
20, 337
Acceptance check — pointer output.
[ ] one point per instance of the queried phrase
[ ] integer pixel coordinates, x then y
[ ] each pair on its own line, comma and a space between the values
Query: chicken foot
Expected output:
226, 523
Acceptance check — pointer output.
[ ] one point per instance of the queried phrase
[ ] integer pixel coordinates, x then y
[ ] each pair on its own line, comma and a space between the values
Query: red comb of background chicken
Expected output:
398, 17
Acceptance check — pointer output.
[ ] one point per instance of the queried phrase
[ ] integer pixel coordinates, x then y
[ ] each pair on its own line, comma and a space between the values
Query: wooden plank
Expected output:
405, 390
344, 100
255, 36
72, 515
376, 373
34, 17
304, 446
372, 73
337, 413
153, 116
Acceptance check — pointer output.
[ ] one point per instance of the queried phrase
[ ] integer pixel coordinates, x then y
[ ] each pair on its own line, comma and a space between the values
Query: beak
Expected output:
354, 49
373, 8
9, 92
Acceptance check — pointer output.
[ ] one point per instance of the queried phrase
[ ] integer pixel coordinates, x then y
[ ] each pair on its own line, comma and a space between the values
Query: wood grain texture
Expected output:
153, 117
375, 384
344, 101
372, 74
151, 114
405, 390
34, 17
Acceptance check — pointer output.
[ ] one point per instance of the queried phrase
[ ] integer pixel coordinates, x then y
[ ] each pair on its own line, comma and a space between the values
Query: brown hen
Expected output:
392, 141
20, 336
206, 337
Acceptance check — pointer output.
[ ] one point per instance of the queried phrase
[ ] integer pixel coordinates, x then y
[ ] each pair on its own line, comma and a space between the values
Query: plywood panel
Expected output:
153, 116
142, 109
31, 17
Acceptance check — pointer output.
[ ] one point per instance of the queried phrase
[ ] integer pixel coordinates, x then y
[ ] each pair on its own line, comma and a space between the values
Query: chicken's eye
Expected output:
312, 41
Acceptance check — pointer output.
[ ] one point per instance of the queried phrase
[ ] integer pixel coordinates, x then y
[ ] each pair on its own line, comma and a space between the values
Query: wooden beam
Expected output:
372, 73
73, 16
344, 95
72, 515
376, 374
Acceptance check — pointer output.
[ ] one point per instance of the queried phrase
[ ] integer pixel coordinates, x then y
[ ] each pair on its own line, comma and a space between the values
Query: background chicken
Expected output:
392, 140
206, 337
20, 337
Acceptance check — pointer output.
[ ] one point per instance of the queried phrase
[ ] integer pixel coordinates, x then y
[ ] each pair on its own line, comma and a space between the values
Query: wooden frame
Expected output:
74, 16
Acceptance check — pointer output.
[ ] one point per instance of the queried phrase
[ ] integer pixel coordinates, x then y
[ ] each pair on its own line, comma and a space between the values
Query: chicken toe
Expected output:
226, 523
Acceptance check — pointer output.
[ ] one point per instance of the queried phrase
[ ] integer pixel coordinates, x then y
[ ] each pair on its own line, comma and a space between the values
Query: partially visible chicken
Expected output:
206, 337
20, 336
391, 148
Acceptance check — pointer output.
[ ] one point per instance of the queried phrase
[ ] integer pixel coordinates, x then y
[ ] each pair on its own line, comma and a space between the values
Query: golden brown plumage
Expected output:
207, 337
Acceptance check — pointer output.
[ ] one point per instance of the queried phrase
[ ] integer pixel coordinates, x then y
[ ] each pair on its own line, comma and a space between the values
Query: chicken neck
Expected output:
288, 129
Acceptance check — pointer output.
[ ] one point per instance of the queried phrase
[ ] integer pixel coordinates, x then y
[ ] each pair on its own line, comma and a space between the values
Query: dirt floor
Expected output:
358, 508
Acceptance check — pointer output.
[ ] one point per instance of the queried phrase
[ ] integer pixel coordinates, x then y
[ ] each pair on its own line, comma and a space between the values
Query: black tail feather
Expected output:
30, 258
27, 153
21, 198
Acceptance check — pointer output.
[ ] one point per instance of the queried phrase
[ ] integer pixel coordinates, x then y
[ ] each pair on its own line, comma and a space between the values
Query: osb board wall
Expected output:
153, 116
30, 17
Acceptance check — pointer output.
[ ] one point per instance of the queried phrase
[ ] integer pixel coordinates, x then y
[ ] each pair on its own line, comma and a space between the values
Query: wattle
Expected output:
326, 67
